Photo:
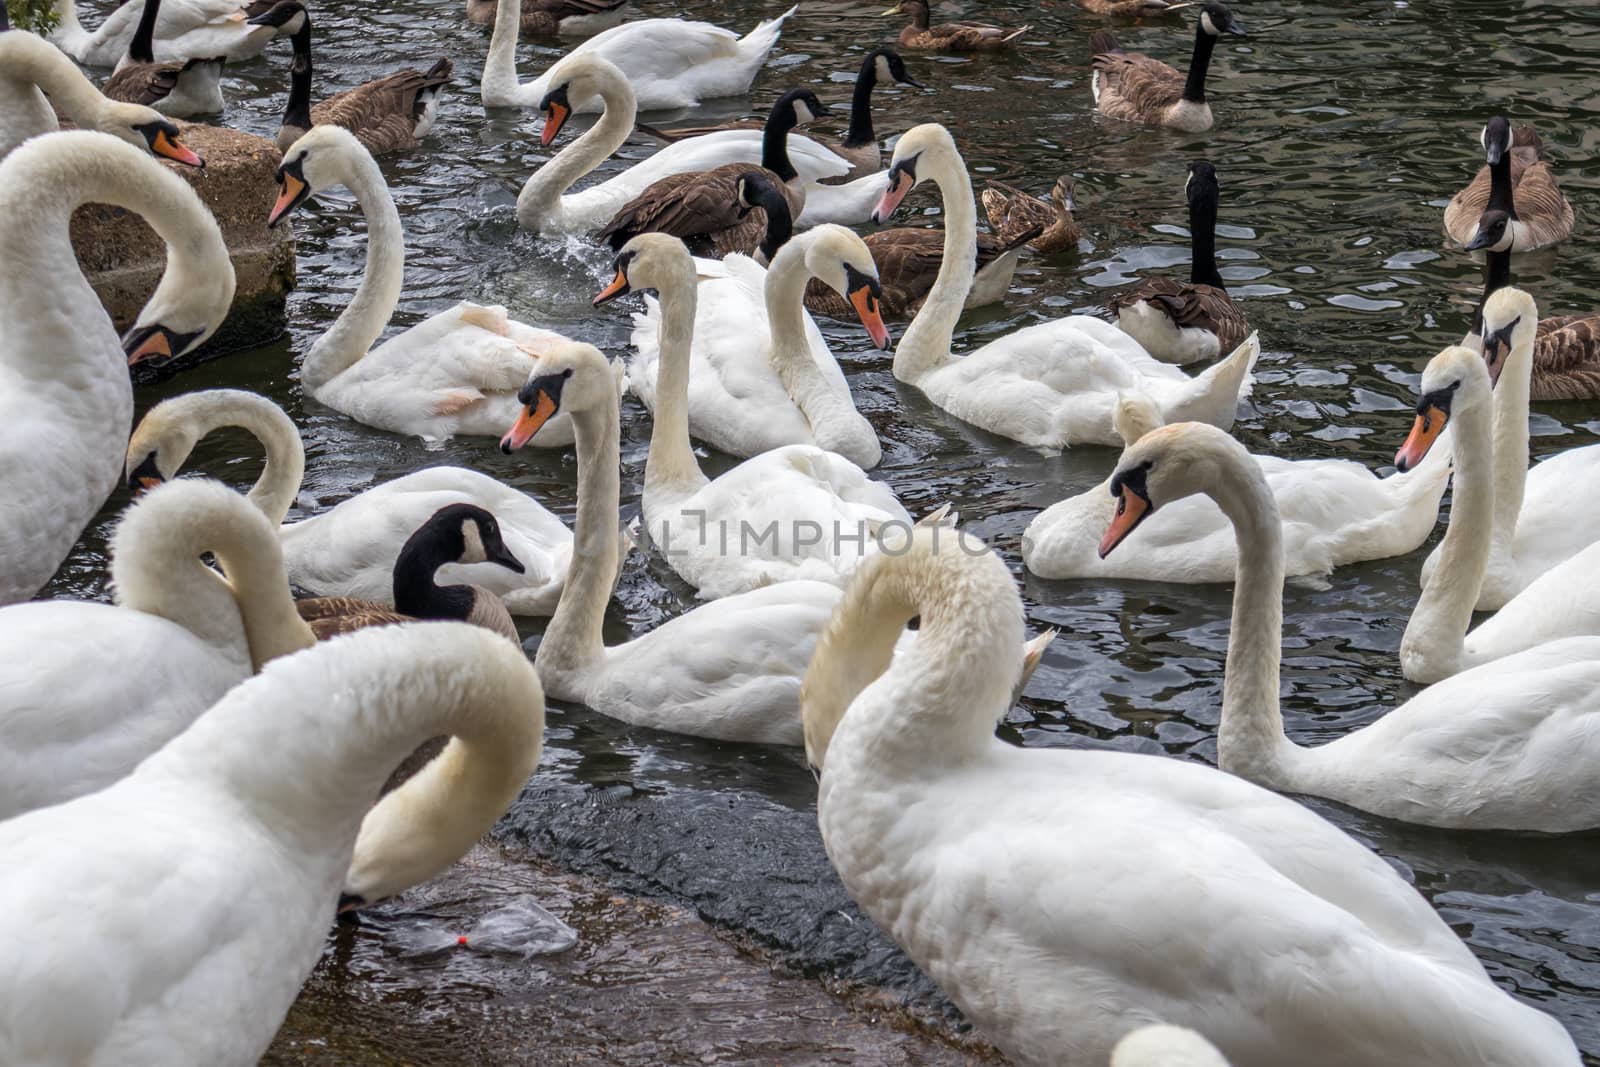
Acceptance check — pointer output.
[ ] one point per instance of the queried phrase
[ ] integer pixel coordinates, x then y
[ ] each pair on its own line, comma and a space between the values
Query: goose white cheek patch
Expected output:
1206, 23
474, 551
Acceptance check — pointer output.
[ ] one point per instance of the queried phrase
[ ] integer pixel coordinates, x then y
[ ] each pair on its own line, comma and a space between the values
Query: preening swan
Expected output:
172, 917
1562, 602
455, 373
760, 374
350, 549
1541, 516
66, 404
92, 689
180, 87
1512, 745
671, 63
1334, 512
1313, 951
185, 29
1050, 385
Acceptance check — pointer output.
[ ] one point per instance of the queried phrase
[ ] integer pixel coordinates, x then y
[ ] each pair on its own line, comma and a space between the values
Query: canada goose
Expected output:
1181, 322
703, 209
1136, 88
388, 114
1012, 211
950, 36
547, 18
1129, 8
175, 87
459, 533
1516, 181
1566, 348
859, 146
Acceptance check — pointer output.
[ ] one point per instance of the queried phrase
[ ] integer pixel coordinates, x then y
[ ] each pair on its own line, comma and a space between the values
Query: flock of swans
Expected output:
170, 890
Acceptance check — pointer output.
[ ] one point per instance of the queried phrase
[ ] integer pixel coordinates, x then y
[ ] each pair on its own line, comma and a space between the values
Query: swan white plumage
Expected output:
1544, 515
185, 29
796, 511
761, 376
1050, 385
1562, 602
92, 689
671, 63
350, 549
29, 64
545, 206
1334, 512
1165, 1046
1512, 745
963, 848
66, 404
455, 373
172, 917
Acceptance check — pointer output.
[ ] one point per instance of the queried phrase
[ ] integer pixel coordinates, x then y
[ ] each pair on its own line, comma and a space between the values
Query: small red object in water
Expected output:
462, 940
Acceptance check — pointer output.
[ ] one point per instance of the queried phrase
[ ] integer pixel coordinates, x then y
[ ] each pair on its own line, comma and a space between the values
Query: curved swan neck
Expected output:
670, 462
926, 342
1511, 397
252, 558
544, 188
573, 639
28, 59
279, 482
791, 356
499, 79
358, 326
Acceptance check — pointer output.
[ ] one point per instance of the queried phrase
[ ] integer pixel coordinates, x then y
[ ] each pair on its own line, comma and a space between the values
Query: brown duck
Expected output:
1128, 8
1011, 211
1136, 88
548, 18
950, 36
1517, 182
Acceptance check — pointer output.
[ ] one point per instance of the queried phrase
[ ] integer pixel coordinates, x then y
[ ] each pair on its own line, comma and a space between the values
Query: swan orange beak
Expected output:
154, 346
900, 184
865, 301
534, 416
556, 115
618, 287
175, 150
1131, 511
290, 196
1425, 431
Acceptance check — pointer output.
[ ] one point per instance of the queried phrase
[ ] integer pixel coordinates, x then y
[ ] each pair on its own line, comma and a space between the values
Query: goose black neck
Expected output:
142, 48
775, 142
1496, 275
1195, 88
298, 114
861, 132
780, 224
1203, 242
1500, 185
415, 592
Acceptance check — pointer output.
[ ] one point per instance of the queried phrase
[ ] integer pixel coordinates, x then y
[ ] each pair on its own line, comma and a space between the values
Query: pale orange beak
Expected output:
618, 286
553, 122
528, 423
868, 311
1424, 432
900, 184
155, 346
1131, 510
176, 151
147, 484
288, 197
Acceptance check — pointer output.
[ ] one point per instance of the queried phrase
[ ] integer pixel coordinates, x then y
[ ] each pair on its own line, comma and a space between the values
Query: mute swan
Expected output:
455, 534
1165, 1046
455, 373
1050, 385
185, 29
29, 64
172, 917
1512, 745
174, 87
93, 689
1564, 601
1516, 181
1334, 512
990, 864
1542, 516
795, 511
672, 63
65, 400
544, 206
1134, 87
761, 375
351, 549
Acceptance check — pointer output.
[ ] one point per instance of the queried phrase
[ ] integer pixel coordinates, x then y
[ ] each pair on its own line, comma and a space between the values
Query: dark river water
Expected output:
1342, 130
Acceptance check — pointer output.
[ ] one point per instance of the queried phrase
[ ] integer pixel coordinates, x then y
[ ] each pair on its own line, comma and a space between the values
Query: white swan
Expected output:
671, 63
350, 549
1541, 516
185, 29
172, 917
1050, 385
29, 64
455, 373
1513, 745
760, 374
545, 206
1053, 894
1165, 1046
1562, 602
1334, 512
92, 689
65, 401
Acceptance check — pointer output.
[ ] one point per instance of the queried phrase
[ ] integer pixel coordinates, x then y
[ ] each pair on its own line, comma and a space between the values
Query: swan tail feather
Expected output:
1214, 396
491, 317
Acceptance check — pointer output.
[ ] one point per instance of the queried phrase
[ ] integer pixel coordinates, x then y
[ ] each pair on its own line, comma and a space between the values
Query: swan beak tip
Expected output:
1132, 508
175, 150
618, 287
865, 301
538, 412
152, 345
556, 119
1424, 432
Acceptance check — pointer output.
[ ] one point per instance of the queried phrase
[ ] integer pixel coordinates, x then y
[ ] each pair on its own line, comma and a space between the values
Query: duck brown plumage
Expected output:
544, 17
1012, 211
950, 36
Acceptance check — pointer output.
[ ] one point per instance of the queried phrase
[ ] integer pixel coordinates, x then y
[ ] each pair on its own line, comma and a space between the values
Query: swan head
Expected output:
1454, 381
573, 377
650, 261
844, 263
1165, 1046
147, 129
1216, 19
907, 168
1167, 464
1494, 232
160, 444
886, 66
323, 158
1496, 139
1510, 321
574, 81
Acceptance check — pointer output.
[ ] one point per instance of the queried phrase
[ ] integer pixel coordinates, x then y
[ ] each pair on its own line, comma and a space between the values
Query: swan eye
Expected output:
567, 373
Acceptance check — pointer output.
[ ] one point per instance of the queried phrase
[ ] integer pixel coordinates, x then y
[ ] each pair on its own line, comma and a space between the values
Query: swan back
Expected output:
1165, 1046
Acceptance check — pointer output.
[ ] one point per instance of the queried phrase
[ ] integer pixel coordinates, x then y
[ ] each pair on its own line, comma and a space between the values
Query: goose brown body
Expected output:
1537, 203
544, 17
1135, 87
